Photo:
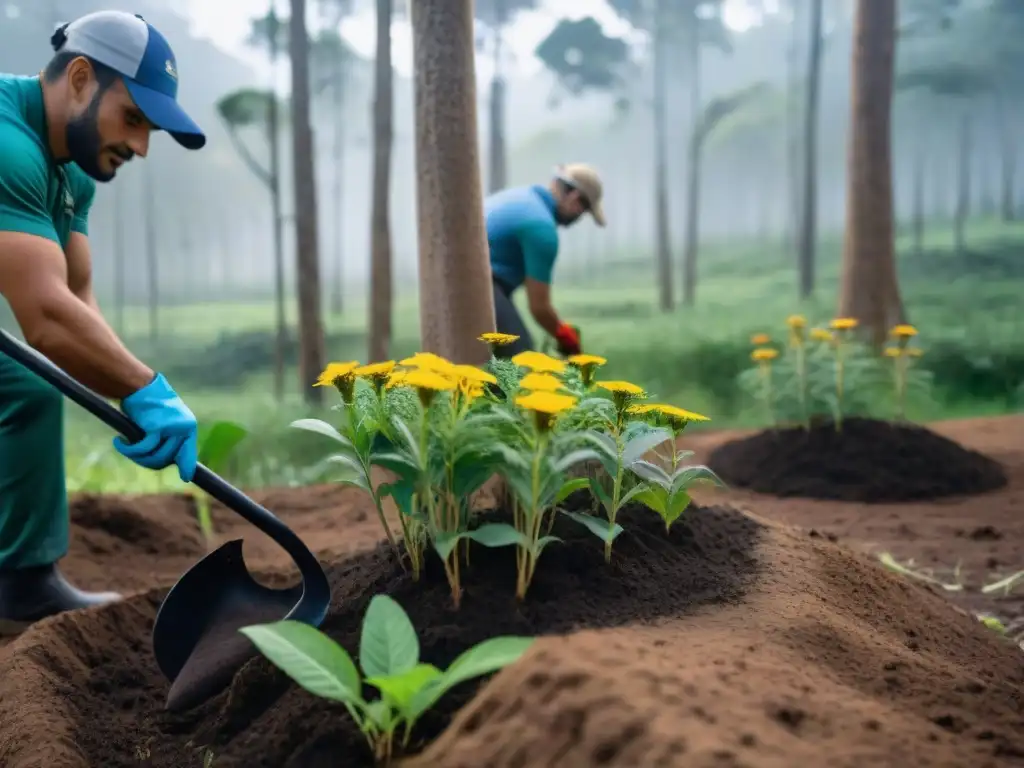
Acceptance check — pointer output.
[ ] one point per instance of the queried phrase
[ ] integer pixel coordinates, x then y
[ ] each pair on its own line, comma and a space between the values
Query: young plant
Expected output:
356, 436
442, 458
535, 465
902, 356
217, 443
389, 655
841, 327
668, 481
798, 343
764, 357
618, 446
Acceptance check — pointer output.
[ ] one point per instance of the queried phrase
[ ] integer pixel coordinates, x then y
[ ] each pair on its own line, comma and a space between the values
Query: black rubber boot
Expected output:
30, 594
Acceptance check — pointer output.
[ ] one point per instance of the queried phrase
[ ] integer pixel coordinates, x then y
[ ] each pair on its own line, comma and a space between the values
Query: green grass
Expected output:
968, 311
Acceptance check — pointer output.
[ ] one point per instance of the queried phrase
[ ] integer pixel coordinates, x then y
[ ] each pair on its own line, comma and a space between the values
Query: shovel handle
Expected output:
204, 478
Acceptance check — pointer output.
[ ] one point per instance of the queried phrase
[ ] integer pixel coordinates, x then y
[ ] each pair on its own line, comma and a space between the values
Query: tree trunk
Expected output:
380, 225
662, 228
793, 132
456, 298
918, 200
692, 220
338, 287
152, 262
497, 177
1008, 151
807, 244
693, 170
963, 187
311, 332
277, 225
869, 290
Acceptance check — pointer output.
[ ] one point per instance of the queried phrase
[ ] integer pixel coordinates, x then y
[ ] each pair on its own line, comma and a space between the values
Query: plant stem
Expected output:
801, 373
616, 493
839, 387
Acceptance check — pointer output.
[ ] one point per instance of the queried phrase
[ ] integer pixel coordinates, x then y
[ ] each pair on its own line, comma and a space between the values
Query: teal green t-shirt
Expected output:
37, 195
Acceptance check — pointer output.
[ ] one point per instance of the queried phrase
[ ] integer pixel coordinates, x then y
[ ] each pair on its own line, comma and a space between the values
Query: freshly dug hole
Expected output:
869, 461
116, 693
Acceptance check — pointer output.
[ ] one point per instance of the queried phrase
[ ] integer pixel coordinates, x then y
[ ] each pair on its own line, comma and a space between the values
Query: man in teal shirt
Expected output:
112, 81
522, 237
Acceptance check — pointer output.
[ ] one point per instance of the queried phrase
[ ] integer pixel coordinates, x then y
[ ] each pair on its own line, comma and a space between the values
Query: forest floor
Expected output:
762, 632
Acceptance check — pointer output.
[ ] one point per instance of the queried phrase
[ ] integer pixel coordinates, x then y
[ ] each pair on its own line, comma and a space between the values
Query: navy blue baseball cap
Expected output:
133, 48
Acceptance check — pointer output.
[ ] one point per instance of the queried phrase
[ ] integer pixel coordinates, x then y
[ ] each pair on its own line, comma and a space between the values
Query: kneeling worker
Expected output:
522, 235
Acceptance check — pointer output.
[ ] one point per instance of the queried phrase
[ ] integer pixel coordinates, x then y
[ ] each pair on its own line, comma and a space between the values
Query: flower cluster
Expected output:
441, 430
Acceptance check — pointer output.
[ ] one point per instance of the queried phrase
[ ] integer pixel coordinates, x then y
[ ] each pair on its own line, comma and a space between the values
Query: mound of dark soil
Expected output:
264, 720
867, 461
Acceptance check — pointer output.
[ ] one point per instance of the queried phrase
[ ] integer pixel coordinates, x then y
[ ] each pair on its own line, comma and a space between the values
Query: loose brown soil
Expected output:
763, 637
867, 460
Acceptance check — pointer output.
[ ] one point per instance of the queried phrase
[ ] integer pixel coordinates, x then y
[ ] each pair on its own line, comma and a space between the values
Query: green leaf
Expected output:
543, 542
677, 504
321, 427
380, 714
570, 460
569, 487
685, 477
600, 493
444, 542
489, 656
354, 467
654, 498
218, 443
402, 491
399, 690
497, 535
596, 525
645, 470
400, 463
604, 443
631, 494
388, 645
640, 445
410, 442
309, 657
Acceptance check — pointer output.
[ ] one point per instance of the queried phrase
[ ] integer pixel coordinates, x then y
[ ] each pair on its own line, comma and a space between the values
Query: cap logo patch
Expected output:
169, 68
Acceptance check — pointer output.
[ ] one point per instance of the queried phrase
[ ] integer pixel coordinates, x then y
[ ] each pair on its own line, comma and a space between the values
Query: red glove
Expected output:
568, 340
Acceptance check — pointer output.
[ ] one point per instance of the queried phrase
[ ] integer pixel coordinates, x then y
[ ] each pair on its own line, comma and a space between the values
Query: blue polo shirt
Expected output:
522, 234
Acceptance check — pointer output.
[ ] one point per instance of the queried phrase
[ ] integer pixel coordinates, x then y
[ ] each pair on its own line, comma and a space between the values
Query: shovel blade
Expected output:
195, 636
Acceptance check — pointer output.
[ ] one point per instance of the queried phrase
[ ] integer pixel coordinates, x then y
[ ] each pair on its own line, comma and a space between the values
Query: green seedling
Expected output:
389, 654
907, 570
667, 492
1004, 585
617, 452
217, 443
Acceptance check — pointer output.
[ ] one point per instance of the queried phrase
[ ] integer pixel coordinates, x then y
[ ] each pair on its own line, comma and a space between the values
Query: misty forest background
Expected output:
730, 182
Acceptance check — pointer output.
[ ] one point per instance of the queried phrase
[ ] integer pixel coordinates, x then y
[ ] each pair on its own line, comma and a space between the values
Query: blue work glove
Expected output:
170, 427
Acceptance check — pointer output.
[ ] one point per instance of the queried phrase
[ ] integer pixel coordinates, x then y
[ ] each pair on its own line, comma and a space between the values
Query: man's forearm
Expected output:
546, 318
74, 335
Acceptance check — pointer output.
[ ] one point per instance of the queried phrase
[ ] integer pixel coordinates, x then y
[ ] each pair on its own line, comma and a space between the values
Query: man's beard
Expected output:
564, 219
84, 142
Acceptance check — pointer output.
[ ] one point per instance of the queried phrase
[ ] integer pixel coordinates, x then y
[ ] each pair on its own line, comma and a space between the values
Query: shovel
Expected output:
195, 636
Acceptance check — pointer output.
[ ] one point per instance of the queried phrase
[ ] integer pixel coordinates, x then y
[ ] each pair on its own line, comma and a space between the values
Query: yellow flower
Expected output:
821, 334
914, 351
396, 379
498, 339
428, 361
470, 373
679, 414
904, 331
335, 371
641, 409
538, 362
545, 406
581, 361
759, 339
796, 321
377, 373
844, 323
340, 376
471, 390
621, 388
427, 383
893, 352
540, 382
764, 354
